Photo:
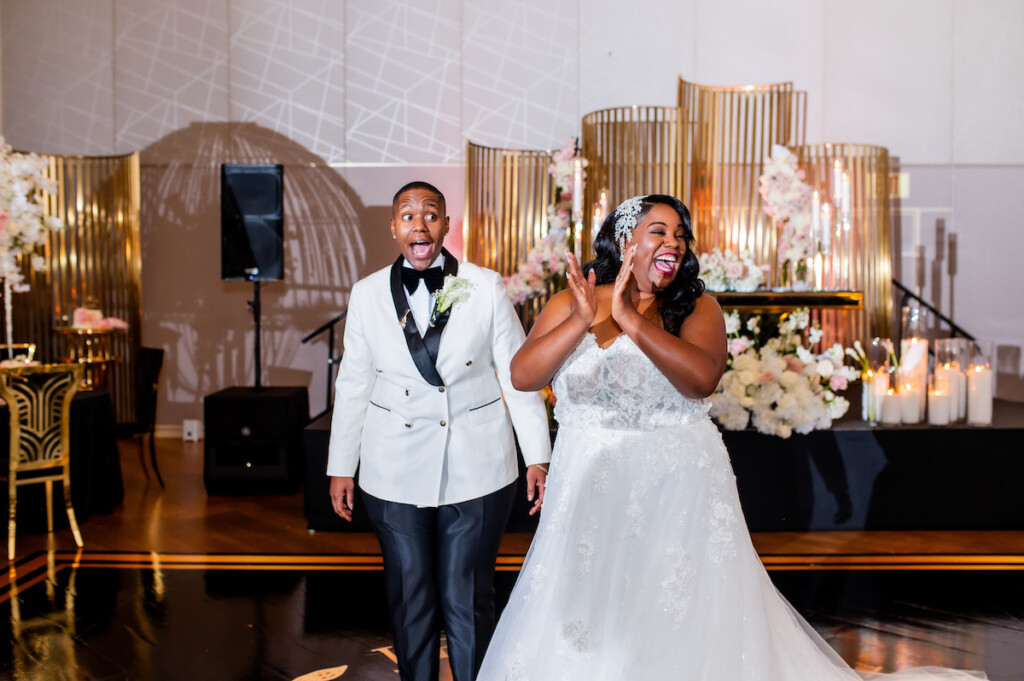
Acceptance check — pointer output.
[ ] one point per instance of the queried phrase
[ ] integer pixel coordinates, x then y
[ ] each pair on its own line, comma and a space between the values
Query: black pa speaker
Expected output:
251, 222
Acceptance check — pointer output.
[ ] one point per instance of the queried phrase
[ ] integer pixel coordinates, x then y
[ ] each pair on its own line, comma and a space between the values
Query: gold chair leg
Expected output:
71, 511
12, 523
49, 506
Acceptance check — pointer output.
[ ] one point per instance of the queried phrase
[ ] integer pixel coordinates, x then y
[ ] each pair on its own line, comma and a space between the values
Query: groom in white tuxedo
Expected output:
424, 408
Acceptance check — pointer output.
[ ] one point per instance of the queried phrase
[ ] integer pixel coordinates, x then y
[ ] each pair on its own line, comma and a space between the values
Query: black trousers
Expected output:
439, 568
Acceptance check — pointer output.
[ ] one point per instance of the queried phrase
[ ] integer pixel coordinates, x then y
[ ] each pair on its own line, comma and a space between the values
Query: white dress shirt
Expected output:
421, 302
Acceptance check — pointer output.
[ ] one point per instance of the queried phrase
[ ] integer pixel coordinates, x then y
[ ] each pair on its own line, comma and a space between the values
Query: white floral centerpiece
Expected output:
788, 199
24, 225
780, 386
545, 262
727, 271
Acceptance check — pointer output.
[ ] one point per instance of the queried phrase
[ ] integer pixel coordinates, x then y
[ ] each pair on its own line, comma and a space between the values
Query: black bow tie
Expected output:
411, 278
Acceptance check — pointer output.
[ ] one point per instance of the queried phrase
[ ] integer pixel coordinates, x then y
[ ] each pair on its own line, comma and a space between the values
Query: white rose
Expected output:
826, 368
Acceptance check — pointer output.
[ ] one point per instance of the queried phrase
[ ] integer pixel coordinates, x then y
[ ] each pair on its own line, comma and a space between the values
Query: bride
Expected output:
642, 567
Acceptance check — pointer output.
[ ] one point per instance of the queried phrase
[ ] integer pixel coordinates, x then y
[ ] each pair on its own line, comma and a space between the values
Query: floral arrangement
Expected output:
546, 260
780, 386
454, 290
23, 223
90, 318
788, 199
730, 272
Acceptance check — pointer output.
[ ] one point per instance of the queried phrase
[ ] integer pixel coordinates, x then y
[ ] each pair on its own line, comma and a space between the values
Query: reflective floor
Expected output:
92, 615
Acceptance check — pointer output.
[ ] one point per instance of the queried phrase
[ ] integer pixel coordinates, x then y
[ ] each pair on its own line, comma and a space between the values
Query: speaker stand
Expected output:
254, 305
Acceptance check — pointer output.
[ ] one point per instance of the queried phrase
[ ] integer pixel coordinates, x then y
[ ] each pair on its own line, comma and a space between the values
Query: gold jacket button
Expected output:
444, 423
408, 425
406, 393
469, 362
441, 389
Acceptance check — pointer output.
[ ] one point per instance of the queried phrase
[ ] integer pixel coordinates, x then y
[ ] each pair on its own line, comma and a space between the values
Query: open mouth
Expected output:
420, 249
666, 263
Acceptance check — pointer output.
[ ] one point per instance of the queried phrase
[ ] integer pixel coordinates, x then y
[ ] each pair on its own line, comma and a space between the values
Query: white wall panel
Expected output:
988, 81
747, 43
58, 75
520, 73
888, 78
402, 97
623, 62
287, 70
170, 67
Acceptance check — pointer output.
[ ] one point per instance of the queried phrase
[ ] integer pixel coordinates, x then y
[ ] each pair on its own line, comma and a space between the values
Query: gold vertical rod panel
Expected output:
97, 256
508, 192
630, 151
870, 256
733, 130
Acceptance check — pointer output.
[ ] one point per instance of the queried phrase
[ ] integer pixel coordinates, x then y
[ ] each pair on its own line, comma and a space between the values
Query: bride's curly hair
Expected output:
676, 302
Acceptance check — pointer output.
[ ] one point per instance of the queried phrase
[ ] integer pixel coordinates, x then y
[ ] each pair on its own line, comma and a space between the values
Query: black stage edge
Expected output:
253, 441
852, 477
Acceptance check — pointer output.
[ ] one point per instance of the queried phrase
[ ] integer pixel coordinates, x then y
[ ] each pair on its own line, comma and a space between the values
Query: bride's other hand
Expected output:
623, 307
583, 293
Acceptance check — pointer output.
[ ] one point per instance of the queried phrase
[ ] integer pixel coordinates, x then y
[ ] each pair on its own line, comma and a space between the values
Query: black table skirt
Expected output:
96, 483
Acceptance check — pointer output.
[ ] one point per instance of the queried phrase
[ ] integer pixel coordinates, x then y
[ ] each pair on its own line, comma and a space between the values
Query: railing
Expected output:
331, 359
954, 328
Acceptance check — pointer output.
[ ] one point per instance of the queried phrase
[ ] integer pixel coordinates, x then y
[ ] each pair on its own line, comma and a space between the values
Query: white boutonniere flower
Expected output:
454, 290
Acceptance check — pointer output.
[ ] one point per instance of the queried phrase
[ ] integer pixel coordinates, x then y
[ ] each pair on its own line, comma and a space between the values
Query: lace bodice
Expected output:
618, 387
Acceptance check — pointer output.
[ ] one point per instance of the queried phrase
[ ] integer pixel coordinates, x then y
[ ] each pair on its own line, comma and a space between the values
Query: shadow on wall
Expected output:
202, 322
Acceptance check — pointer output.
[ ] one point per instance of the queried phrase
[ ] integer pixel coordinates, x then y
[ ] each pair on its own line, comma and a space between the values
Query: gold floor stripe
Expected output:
506, 563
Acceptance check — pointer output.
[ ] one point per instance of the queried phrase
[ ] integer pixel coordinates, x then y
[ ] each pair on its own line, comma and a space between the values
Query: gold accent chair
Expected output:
39, 400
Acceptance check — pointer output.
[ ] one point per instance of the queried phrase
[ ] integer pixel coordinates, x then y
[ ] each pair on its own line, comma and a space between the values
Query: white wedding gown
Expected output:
642, 567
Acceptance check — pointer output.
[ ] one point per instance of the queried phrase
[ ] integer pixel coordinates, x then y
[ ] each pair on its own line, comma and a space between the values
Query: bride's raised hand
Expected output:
625, 287
584, 297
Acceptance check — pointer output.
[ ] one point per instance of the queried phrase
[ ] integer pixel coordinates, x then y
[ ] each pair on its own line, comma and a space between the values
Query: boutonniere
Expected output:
454, 290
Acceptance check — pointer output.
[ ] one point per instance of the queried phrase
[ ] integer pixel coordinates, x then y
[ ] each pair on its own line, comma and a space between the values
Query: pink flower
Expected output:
84, 318
838, 382
767, 377
794, 364
737, 346
735, 270
113, 323
4, 219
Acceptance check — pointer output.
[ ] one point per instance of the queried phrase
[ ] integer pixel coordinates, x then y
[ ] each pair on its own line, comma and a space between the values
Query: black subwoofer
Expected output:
253, 440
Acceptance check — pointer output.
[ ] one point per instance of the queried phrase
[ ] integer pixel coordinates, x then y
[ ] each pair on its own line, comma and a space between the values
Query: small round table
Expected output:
90, 347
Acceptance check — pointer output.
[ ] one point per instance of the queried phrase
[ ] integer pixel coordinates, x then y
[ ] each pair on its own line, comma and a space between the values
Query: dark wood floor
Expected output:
183, 519
177, 584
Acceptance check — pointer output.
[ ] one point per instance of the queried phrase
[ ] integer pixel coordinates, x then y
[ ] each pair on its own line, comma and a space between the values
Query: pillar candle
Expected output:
889, 409
979, 396
909, 399
604, 202
868, 397
946, 382
938, 408
961, 394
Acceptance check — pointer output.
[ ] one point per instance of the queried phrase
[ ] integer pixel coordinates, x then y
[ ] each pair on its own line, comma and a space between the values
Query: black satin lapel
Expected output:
417, 349
432, 338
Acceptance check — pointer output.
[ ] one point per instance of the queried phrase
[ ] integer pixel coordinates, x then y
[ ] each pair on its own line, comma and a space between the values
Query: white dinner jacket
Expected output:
424, 444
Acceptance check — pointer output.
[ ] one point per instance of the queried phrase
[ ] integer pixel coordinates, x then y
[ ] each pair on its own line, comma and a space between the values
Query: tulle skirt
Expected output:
642, 568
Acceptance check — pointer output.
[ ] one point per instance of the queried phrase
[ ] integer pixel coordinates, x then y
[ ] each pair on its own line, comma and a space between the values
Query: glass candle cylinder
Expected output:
980, 384
938, 405
947, 377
